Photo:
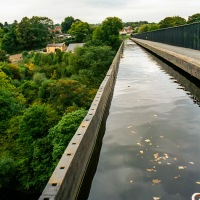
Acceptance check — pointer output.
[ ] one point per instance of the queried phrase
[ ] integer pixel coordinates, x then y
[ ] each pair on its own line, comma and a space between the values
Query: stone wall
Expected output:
187, 64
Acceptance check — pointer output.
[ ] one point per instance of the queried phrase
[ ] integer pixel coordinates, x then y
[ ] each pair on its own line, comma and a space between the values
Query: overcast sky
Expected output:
95, 11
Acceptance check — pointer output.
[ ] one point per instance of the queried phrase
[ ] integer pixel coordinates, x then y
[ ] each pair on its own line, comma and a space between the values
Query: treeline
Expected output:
43, 99
144, 26
37, 32
28, 34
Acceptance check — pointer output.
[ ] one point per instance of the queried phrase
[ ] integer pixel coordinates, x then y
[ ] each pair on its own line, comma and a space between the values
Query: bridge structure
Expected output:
74, 173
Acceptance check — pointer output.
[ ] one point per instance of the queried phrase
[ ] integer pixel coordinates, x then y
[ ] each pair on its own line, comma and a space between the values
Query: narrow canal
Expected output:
152, 141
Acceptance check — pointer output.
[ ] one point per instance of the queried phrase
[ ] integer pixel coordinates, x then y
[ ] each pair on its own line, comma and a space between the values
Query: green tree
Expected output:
109, 32
194, 18
63, 93
8, 171
37, 120
143, 28
94, 59
80, 30
62, 133
9, 41
172, 21
34, 32
11, 101
3, 56
148, 27
39, 78
41, 163
67, 23
12, 70
29, 89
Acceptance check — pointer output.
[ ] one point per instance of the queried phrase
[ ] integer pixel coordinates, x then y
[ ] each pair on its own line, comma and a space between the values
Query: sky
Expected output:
95, 11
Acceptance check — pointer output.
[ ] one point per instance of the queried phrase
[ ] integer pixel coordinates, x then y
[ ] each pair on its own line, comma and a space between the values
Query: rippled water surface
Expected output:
152, 141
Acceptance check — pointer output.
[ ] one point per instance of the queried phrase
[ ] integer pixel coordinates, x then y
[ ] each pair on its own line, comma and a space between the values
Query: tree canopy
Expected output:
194, 18
172, 21
43, 99
108, 32
27, 34
80, 30
66, 24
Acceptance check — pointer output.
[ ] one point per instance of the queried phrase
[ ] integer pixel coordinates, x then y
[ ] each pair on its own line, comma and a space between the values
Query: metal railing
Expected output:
187, 36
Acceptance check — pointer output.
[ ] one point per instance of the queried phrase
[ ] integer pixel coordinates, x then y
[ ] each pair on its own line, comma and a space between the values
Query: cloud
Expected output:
95, 11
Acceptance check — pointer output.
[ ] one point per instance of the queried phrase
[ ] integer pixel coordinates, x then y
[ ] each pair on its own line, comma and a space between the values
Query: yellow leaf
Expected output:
156, 181
141, 152
129, 126
166, 155
182, 167
147, 140
156, 155
198, 182
151, 170
156, 198
132, 131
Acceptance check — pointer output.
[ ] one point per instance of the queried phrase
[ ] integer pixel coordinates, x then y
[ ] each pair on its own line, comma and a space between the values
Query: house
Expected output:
72, 46
58, 29
51, 48
62, 36
126, 31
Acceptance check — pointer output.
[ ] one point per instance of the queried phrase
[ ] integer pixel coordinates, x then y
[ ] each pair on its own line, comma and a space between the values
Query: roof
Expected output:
72, 46
55, 45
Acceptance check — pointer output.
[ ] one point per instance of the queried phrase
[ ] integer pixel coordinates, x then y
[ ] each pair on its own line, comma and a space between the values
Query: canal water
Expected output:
151, 145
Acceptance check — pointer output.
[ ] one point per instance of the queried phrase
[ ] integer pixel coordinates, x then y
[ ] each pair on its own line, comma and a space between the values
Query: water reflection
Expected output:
151, 145
185, 81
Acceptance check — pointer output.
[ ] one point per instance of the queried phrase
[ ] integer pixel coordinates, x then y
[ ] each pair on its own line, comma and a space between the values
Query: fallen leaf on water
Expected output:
132, 131
159, 163
131, 181
156, 181
168, 163
161, 136
147, 140
141, 152
191, 163
175, 158
139, 144
150, 144
156, 155
198, 182
177, 176
151, 170
182, 167
156, 198
129, 126
155, 115
166, 155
